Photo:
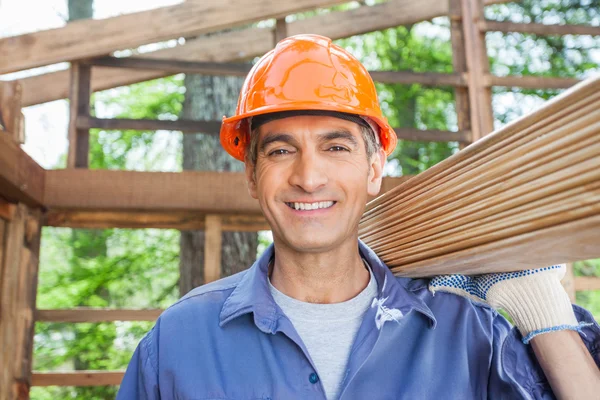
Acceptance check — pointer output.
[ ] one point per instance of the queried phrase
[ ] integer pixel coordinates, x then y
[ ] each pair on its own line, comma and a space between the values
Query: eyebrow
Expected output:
339, 134
277, 137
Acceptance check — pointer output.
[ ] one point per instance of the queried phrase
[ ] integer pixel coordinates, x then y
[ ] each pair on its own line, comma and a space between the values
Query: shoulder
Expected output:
450, 307
203, 300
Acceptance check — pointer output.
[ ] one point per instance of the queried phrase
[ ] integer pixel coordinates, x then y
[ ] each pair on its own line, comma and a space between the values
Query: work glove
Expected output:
534, 299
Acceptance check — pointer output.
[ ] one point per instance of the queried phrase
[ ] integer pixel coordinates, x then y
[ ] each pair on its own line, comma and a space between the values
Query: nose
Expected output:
308, 173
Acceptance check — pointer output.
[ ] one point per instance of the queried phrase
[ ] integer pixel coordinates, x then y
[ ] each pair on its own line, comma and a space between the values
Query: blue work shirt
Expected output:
229, 340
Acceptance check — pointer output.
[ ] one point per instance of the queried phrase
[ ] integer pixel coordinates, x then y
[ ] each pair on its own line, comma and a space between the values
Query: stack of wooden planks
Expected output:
525, 196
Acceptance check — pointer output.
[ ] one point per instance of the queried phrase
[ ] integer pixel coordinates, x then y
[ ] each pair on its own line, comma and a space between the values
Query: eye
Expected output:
278, 152
337, 149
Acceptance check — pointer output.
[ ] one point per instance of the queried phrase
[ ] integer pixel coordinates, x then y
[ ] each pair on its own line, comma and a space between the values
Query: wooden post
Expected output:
568, 282
459, 63
79, 99
212, 248
11, 117
280, 31
480, 94
20, 242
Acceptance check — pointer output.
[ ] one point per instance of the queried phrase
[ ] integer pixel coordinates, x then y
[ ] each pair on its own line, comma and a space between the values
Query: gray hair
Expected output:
372, 144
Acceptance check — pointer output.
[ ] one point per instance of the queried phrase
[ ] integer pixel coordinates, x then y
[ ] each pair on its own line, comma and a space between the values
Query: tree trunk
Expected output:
209, 98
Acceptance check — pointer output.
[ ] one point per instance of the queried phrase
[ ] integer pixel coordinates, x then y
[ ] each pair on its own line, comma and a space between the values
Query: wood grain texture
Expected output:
538, 29
21, 178
77, 378
539, 174
242, 45
213, 240
83, 314
79, 106
531, 82
190, 18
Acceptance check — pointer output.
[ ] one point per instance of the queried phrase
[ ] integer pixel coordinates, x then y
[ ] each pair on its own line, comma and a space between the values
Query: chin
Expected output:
313, 243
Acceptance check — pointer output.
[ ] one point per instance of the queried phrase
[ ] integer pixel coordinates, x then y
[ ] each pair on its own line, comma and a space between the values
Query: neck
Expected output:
329, 277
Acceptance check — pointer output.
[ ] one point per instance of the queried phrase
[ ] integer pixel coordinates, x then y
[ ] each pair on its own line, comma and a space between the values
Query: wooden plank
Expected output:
480, 95
171, 219
568, 282
84, 314
21, 178
583, 283
280, 31
172, 66
210, 192
77, 378
102, 190
459, 63
433, 135
190, 18
186, 126
213, 239
26, 301
7, 212
183, 221
243, 44
531, 82
423, 78
538, 29
11, 94
79, 106
9, 301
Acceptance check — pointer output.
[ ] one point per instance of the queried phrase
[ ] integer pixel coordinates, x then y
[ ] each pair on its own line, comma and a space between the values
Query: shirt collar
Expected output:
252, 293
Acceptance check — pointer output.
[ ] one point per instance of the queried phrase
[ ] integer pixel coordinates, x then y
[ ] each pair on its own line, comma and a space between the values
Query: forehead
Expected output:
304, 124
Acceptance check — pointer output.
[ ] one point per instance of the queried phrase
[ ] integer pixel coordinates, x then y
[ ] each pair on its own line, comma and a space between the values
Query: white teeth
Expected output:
311, 206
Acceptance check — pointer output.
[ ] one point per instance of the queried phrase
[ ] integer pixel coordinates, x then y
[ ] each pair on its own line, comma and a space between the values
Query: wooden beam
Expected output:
77, 378
79, 106
209, 192
480, 96
172, 66
538, 29
459, 63
180, 220
243, 44
213, 239
76, 211
7, 212
186, 126
583, 283
423, 78
433, 135
531, 82
84, 314
11, 94
21, 178
280, 31
190, 18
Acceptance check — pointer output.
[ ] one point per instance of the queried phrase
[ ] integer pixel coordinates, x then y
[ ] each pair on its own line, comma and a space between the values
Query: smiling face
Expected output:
312, 179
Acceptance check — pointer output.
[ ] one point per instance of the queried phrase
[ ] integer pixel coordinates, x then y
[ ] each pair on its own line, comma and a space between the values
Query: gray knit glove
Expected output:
534, 299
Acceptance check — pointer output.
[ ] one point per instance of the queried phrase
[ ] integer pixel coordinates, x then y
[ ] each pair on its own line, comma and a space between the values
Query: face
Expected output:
312, 179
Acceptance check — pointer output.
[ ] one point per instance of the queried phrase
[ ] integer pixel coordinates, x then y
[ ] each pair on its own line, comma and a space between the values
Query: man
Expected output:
319, 316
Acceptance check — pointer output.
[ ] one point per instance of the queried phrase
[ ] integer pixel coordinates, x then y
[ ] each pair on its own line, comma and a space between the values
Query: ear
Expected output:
251, 178
376, 172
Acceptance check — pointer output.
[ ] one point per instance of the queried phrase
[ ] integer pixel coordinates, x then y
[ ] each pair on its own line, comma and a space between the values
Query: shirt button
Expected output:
313, 378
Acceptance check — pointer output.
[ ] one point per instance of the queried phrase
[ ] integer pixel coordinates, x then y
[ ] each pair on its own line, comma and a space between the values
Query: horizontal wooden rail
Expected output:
84, 314
532, 82
77, 378
433, 135
538, 29
583, 283
237, 69
186, 126
184, 221
172, 65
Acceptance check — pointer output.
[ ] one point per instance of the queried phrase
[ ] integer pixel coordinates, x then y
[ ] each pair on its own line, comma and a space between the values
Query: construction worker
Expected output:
319, 315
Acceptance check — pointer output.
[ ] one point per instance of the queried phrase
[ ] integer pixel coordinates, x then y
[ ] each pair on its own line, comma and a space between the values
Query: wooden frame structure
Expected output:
31, 197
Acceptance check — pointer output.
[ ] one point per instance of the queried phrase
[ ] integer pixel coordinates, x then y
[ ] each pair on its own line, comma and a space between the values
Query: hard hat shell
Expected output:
304, 72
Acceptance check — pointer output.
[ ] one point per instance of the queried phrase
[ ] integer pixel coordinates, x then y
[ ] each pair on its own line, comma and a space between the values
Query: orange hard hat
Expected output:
305, 72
